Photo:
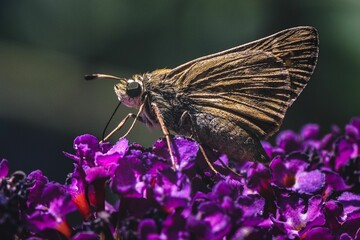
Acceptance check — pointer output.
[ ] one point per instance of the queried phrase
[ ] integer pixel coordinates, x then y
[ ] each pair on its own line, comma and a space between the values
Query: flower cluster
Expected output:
310, 190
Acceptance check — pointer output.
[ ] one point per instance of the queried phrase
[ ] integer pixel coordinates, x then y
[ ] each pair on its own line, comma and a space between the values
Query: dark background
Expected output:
47, 46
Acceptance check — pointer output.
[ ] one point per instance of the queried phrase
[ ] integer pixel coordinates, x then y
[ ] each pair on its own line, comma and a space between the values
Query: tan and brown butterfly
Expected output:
229, 100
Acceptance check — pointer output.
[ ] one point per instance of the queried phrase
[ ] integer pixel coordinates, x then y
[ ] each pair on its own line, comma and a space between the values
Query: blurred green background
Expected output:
47, 46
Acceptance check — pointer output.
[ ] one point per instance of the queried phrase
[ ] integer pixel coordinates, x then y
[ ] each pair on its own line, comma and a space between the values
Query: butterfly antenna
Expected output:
99, 75
107, 124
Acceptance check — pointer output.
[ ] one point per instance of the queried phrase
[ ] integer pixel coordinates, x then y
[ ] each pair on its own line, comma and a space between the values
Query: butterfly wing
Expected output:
254, 84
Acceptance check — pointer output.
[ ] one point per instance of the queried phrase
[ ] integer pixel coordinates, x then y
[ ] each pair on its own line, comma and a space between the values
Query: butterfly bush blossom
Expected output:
310, 190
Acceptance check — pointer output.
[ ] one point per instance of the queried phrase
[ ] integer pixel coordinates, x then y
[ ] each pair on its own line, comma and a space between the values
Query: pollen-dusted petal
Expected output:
309, 182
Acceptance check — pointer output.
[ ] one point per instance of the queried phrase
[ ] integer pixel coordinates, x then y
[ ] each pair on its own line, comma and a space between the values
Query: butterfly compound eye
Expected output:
133, 89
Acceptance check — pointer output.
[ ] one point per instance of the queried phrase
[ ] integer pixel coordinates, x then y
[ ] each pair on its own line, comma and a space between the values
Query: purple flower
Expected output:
95, 163
296, 216
310, 190
294, 175
50, 213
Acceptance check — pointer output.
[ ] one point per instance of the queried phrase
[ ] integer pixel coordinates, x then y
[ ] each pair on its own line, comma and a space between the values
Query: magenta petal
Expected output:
279, 171
350, 202
289, 141
97, 173
62, 206
223, 188
147, 228
319, 233
352, 132
126, 180
174, 226
220, 222
85, 236
334, 212
86, 146
310, 131
199, 228
346, 236
314, 211
35, 191
346, 151
4, 168
352, 228
251, 205
184, 150
113, 155
39, 221
335, 181
172, 190
353, 129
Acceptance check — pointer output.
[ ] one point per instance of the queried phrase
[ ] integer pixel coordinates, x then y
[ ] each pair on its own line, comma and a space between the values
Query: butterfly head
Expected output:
130, 91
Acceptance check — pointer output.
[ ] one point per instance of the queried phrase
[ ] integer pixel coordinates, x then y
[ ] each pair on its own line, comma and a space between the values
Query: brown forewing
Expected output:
254, 84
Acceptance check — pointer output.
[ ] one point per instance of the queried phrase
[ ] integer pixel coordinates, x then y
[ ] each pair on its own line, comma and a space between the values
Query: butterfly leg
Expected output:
137, 117
165, 132
184, 116
121, 124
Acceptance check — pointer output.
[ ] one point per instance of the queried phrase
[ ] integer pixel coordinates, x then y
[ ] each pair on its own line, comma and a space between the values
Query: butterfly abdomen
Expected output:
229, 138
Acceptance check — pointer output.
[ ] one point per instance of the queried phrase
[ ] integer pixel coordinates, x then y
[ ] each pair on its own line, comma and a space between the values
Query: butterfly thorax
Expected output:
161, 91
